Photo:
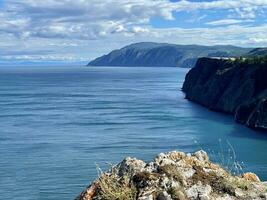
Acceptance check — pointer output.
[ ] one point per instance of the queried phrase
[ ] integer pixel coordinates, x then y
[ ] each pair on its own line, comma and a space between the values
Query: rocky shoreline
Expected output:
237, 87
174, 176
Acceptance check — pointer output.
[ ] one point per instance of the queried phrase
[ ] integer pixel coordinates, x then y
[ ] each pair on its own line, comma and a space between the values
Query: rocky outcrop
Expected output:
238, 87
174, 176
149, 54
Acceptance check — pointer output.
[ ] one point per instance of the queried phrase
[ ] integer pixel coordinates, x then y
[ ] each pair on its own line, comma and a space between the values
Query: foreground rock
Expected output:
235, 87
174, 176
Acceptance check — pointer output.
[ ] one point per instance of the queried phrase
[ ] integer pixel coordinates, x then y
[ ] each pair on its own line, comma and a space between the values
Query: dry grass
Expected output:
145, 176
226, 158
171, 171
230, 185
241, 183
177, 193
113, 187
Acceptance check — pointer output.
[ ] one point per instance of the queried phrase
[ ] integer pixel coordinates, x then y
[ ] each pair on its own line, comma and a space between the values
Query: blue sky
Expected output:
80, 30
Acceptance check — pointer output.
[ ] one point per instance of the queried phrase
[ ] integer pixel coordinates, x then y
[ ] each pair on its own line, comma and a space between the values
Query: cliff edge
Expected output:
174, 176
235, 86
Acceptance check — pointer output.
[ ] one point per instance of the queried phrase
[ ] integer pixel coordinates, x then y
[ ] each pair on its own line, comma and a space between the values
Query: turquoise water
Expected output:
57, 123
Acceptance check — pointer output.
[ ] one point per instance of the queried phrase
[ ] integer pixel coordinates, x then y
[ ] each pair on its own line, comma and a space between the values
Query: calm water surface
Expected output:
57, 123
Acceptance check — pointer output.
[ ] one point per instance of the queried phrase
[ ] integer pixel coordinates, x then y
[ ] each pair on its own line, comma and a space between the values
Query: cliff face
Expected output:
164, 55
235, 87
173, 176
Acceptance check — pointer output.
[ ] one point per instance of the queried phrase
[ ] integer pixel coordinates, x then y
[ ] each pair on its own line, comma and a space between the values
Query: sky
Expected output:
81, 30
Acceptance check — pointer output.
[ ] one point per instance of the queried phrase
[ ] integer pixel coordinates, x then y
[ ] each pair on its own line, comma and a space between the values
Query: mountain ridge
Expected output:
258, 52
149, 54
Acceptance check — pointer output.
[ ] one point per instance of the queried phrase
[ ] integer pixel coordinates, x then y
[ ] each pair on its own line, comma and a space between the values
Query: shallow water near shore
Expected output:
57, 123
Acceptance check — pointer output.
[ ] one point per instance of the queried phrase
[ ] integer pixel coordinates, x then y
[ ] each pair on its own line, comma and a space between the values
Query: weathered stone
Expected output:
199, 191
90, 192
201, 155
225, 197
164, 196
188, 172
239, 193
251, 177
131, 166
175, 176
149, 197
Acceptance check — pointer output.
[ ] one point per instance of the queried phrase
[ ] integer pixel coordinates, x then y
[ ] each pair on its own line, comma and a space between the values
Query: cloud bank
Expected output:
75, 30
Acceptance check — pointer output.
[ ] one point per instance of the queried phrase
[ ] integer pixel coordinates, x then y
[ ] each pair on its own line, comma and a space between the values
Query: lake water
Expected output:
56, 124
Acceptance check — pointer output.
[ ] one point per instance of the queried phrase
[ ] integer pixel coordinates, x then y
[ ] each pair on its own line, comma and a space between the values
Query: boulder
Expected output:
174, 176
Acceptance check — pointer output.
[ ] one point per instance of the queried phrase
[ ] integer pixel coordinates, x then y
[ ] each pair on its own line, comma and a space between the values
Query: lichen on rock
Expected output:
174, 176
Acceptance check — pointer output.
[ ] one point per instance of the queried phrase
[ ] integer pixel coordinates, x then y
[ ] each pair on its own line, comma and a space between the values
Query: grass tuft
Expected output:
113, 187
226, 157
177, 193
171, 171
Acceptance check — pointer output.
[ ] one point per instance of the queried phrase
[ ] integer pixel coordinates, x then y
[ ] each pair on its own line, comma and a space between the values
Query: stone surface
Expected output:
202, 155
130, 165
174, 176
251, 177
199, 191
164, 196
149, 197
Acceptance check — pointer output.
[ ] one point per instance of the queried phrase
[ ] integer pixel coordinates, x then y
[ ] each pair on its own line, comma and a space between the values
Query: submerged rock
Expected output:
174, 176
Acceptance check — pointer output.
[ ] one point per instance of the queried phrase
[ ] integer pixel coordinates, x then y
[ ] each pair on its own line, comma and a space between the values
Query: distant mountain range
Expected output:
150, 54
258, 52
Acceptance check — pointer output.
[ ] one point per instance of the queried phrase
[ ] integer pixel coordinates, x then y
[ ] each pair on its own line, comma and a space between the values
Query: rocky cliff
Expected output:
148, 54
238, 87
174, 176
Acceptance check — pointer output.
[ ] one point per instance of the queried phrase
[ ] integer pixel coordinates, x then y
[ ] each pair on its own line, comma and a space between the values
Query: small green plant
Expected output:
113, 187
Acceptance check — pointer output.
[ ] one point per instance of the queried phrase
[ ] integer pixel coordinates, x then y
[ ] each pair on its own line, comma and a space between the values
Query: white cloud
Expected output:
227, 22
84, 29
